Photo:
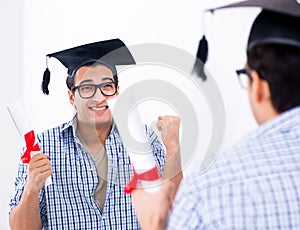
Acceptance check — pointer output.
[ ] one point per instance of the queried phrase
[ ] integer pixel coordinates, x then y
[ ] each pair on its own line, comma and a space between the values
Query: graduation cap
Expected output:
277, 23
109, 53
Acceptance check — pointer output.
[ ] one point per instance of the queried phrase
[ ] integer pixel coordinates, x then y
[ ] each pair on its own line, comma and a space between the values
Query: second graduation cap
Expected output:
109, 53
277, 23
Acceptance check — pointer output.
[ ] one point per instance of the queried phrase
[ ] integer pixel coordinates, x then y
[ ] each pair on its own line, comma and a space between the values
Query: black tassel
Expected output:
202, 54
46, 81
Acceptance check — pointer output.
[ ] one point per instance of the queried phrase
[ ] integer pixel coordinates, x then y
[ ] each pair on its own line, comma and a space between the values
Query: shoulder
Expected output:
254, 155
228, 167
58, 131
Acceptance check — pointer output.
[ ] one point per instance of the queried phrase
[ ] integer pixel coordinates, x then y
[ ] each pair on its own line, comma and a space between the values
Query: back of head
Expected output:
273, 50
279, 65
271, 27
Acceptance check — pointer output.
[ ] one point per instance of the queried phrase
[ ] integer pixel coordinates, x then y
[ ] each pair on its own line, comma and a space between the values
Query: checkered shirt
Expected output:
254, 185
69, 202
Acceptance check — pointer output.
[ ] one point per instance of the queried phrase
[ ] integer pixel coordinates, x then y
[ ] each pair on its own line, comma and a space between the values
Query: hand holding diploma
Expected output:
39, 168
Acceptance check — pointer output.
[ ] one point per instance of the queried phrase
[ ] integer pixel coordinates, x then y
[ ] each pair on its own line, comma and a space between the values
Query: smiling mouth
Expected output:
99, 108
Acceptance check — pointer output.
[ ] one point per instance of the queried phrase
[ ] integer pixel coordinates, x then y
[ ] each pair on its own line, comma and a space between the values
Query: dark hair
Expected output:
279, 65
70, 81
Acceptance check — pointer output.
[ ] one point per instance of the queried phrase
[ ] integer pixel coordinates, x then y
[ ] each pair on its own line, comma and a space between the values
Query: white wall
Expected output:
42, 27
12, 78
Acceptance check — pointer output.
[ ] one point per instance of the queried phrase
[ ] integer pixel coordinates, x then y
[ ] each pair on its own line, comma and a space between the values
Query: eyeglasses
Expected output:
87, 91
244, 76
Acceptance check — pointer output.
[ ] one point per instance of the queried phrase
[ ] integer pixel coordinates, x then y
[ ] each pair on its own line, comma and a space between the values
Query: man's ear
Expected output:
117, 90
259, 87
71, 97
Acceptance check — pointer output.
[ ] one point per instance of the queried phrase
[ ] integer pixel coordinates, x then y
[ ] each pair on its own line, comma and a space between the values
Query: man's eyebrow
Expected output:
107, 78
90, 80
84, 81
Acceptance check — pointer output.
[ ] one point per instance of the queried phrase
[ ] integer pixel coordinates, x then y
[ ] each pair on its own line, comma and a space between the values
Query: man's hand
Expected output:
39, 168
152, 209
169, 127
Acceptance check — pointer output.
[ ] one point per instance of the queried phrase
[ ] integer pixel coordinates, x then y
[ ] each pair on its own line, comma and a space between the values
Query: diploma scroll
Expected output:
137, 145
20, 121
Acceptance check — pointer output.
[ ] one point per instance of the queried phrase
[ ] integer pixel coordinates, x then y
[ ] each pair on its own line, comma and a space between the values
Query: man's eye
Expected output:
108, 85
86, 88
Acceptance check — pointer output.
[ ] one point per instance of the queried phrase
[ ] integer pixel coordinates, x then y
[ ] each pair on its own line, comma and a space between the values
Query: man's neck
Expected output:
266, 113
93, 137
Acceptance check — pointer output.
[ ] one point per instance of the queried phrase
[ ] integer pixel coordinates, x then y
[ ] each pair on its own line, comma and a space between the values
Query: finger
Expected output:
160, 117
159, 125
39, 162
41, 170
38, 168
39, 156
45, 170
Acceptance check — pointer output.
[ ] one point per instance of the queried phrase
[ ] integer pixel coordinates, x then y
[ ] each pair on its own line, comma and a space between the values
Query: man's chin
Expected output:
101, 123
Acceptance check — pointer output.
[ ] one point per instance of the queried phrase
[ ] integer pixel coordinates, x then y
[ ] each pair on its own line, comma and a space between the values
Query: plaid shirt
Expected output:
255, 185
69, 202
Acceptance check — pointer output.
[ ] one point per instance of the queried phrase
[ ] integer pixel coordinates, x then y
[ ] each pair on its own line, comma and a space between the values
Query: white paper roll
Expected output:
18, 115
133, 135
134, 138
48, 180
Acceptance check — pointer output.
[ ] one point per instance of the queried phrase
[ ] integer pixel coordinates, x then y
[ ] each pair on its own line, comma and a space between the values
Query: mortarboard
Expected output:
277, 23
109, 53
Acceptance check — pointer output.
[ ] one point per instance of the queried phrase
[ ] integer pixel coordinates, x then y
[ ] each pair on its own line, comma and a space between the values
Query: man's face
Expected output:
93, 111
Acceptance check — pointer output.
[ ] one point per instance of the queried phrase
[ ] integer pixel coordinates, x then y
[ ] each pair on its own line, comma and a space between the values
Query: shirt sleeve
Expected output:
186, 211
157, 148
19, 184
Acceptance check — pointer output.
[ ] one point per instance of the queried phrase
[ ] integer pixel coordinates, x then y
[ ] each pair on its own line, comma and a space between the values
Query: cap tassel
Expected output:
46, 81
202, 54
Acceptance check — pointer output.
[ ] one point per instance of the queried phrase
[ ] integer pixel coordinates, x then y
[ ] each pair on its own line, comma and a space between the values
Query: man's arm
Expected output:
26, 215
169, 126
152, 209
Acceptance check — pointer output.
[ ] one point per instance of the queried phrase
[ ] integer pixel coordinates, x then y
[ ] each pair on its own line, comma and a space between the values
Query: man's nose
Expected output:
99, 94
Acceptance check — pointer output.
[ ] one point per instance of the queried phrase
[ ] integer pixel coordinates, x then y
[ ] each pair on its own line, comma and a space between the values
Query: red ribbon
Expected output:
151, 175
30, 146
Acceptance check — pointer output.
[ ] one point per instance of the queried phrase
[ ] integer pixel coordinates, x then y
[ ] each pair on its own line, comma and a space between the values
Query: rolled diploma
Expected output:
133, 135
19, 118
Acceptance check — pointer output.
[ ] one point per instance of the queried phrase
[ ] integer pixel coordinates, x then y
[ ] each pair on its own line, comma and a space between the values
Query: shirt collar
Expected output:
73, 124
288, 121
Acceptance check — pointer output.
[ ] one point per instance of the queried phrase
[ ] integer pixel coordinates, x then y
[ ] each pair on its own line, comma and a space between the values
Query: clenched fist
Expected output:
169, 126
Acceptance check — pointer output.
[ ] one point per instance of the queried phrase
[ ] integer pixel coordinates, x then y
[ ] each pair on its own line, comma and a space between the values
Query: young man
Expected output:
254, 185
85, 157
